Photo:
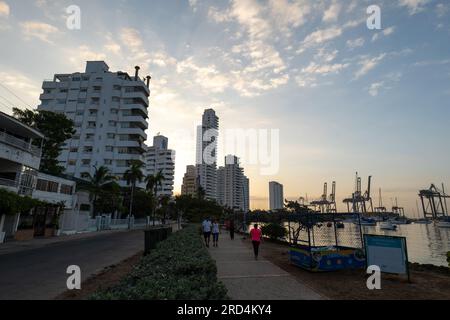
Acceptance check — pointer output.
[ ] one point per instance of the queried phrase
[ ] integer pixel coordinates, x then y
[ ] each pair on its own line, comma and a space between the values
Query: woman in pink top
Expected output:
255, 234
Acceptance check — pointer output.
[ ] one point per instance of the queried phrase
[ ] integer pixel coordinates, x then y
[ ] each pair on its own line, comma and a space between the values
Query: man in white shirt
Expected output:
206, 226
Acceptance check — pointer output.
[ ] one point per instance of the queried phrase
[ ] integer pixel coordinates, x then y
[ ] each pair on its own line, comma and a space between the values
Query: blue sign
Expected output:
388, 253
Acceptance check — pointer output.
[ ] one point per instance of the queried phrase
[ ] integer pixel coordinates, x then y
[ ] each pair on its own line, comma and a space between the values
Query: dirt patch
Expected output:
426, 283
107, 278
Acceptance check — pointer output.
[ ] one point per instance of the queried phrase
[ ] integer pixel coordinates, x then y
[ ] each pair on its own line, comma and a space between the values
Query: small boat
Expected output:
423, 221
387, 225
444, 223
367, 222
401, 220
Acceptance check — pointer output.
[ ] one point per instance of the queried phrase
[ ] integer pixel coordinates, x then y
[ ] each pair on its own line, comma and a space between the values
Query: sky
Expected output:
342, 97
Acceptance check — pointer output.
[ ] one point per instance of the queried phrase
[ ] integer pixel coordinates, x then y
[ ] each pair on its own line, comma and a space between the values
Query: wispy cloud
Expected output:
367, 64
4, 9
40, 30
414, 6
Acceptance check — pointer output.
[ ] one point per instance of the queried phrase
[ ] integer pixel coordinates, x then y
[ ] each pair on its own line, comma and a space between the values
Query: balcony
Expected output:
49, 85
19, 143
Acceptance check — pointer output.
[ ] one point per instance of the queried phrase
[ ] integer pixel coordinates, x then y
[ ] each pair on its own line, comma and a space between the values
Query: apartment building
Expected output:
190, 182
110, 112
206, 158
232, 185
276, 196
159, 158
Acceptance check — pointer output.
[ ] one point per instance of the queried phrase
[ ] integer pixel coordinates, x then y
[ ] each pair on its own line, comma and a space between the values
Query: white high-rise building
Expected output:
232, 185
109, 110
276, 196
207, 135
159, 158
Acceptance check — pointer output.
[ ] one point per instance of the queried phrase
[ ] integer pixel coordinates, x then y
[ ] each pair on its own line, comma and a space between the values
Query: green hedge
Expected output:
180, 268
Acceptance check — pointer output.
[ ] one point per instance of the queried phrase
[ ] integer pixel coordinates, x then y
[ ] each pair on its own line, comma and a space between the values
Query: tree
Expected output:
153, 182
56, 128
133, 175
98, 184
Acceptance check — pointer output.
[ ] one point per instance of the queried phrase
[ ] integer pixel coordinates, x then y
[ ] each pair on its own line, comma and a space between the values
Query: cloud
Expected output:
319, 37
414, 6
39, 30
21, 83
4, 9
287, 15
131, 38
367, 64
352, 44
442, 9
386, 32
248, 14
332, 13
386, 84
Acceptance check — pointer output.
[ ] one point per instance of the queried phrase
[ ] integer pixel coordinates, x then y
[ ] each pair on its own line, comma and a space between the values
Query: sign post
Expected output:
387, 252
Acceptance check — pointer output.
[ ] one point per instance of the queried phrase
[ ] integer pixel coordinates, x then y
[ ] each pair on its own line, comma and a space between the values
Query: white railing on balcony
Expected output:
9, 183
22, 144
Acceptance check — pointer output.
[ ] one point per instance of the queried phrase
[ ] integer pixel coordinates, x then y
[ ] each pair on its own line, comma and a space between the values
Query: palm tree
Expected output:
133, 175
97, 183
153, 182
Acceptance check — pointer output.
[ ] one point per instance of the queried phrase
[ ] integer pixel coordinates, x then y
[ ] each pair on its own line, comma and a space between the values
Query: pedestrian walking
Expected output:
255, 235
215, 233
231, 226
206, 226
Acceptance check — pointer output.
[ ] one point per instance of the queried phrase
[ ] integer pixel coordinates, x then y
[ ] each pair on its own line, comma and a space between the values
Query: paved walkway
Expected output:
247, 279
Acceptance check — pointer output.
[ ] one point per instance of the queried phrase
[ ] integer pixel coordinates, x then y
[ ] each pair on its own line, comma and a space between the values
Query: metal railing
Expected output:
9, 183
22, 144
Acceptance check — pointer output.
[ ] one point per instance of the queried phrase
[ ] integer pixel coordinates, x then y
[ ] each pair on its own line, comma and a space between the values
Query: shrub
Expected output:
180, 268
274, 231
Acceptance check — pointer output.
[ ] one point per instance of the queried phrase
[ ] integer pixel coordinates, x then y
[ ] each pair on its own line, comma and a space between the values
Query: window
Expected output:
72, 162
108, 162
63, 91
122, 150
114, 111
111, 136
78, 125
87, 149
91, 124
76, 137
117, 87
84, 90
76, 79
112, 123
74, 149
84, 175
109, 148
89, 137
81, 101
66, 189
115, 99
47, 186
86, 162
61, 101
80, 112
92, 112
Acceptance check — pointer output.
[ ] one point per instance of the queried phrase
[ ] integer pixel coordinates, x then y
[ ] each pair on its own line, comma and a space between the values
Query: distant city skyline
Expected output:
343, 97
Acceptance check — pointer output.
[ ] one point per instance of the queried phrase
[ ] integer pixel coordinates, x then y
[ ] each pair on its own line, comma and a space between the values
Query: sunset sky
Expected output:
344, 98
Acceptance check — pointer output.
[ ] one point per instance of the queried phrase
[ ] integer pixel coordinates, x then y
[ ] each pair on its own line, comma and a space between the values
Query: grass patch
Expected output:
180, 268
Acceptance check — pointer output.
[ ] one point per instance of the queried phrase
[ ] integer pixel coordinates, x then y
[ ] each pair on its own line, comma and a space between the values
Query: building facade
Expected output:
159, 158
190, 182
276, 196
110, 112
232, 185
207, 135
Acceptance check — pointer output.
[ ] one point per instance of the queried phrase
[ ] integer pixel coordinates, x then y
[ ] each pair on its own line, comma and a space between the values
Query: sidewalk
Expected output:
247, 279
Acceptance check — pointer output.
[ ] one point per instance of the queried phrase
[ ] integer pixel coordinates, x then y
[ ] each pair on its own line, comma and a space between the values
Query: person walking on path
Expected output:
255, 235
215, 233
231, 226
206, 226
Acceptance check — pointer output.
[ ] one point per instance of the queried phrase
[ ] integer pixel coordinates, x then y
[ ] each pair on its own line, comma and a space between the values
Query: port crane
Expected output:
434, 202
357, 202
327, 203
